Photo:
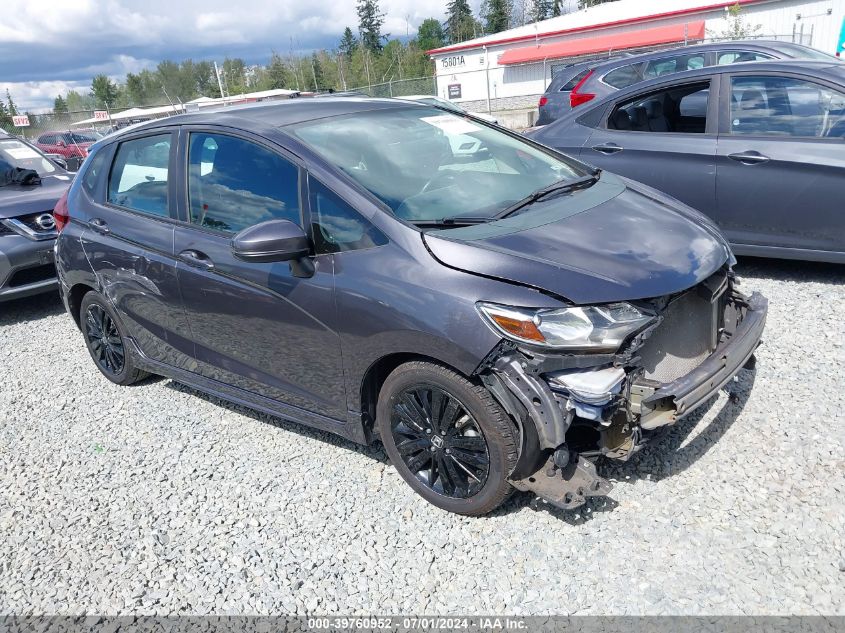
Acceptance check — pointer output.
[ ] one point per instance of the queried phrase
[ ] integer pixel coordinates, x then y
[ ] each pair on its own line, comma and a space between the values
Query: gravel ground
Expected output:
157, 499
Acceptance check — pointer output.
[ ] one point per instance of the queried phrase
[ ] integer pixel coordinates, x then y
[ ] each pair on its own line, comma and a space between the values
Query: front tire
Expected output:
105, 338
448, 438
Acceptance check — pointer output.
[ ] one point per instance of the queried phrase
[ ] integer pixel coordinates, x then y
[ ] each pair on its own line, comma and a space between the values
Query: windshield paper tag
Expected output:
451, 124
21, 152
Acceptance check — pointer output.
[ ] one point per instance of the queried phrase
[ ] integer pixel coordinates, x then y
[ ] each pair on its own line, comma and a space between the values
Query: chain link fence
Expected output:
402, 87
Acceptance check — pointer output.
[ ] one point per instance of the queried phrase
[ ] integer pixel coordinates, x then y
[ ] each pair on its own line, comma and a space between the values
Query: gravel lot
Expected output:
157, 499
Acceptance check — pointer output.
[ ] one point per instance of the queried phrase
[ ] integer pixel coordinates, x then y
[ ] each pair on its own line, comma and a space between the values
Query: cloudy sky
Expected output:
48, 47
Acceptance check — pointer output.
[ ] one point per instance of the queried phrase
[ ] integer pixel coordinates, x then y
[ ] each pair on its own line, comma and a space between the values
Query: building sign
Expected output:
20, 121
454, 91
455, 61
101, 115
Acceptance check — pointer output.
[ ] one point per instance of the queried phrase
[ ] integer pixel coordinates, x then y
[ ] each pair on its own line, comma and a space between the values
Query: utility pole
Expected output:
219, 83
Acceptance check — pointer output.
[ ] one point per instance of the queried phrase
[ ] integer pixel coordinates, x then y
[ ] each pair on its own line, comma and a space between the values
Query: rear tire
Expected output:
105, 338
448, 438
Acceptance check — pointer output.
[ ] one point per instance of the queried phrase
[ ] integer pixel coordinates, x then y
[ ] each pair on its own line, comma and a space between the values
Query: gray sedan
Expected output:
759, 147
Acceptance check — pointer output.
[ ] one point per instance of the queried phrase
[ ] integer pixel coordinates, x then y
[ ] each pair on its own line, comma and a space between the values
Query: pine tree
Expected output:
5, 117
496, 14
316, 71
11, 108
586, 4
59, 105
370, 21
557, 8
347, 43
104, 91
540, 10
460, 24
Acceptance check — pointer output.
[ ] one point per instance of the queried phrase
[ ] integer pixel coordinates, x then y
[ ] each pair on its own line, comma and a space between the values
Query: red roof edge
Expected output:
583, 46
593, 27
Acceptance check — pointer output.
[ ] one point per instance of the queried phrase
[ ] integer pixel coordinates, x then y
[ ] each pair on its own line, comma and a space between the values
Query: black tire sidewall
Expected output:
496, 488
95, 298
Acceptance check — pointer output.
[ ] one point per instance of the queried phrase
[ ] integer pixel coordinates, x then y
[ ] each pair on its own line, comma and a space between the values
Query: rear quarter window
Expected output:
569, 86
623, 77
93, 169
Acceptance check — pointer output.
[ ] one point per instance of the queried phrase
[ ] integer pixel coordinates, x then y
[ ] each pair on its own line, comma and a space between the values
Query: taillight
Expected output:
61, 214
577, 98
543, 101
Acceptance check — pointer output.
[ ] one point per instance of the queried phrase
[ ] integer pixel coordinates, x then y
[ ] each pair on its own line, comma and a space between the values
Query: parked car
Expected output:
555, 100
27, 228
758, 147
70, 145
596, 80
498, 321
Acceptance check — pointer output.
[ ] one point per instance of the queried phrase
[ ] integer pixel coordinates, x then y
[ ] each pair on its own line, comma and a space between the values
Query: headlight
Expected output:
594, 328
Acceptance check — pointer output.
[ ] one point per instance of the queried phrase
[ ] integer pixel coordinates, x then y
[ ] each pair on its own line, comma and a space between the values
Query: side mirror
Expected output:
59, 160
61, 143
271, 241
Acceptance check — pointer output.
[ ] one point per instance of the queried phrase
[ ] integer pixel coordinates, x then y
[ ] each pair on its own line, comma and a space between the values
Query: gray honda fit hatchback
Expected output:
497, 319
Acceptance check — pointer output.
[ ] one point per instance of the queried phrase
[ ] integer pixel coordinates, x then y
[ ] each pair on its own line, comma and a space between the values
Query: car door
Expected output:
780, 169
665, 138
129, 242
262, 327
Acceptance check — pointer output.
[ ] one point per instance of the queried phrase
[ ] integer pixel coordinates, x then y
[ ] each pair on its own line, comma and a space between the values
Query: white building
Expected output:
512, 68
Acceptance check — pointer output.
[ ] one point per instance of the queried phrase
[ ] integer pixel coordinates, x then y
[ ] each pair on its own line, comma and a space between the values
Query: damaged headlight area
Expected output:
601, 381
590, 328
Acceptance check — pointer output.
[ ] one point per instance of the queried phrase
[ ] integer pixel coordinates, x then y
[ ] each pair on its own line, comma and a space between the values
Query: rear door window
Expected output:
138, 178
784, 106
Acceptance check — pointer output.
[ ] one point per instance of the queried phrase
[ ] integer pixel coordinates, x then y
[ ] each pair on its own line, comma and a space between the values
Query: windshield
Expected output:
427, 165
15, 153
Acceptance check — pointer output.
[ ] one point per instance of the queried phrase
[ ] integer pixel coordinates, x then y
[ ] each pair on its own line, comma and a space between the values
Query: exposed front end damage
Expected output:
575, 407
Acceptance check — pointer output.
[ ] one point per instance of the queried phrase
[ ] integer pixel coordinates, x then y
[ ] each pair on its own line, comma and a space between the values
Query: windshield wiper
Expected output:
565, 186
453, 221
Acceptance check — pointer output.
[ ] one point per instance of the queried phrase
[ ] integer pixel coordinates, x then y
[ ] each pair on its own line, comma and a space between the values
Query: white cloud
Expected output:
48, 43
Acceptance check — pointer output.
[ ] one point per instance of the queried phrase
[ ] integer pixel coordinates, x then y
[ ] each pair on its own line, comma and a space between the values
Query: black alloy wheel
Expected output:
105, 341
440, 442
447, 437
105, 338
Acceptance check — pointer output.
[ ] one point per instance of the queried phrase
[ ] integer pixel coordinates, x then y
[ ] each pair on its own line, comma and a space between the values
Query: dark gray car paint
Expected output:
303, 346
786, 207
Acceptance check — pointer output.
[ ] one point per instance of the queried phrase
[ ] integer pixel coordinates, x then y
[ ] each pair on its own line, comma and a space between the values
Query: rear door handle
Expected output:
100, 225
196, 258
607, 148
749, 158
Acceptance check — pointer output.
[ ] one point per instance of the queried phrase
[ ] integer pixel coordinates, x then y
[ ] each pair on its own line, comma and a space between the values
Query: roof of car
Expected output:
750, 45
276, 113
816, 68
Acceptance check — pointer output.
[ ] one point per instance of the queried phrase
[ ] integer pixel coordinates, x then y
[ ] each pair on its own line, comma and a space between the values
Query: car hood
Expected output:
615, 241
18, 200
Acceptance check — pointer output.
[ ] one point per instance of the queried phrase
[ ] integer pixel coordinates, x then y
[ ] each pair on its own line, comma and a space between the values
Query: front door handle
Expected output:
749, 158
607, 148
100, 225
196, 258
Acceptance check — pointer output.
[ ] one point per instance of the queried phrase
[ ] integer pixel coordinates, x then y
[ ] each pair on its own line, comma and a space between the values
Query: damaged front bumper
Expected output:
574, 408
